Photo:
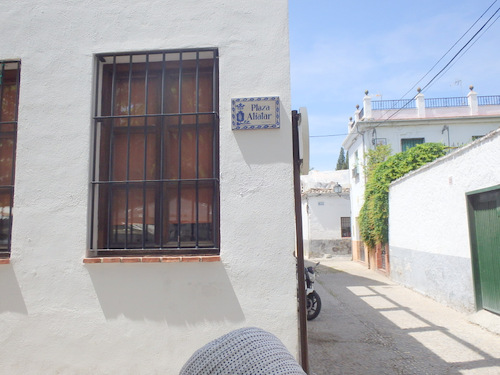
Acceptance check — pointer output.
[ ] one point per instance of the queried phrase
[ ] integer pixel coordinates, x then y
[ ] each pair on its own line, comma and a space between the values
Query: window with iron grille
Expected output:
345, 226
9, 99
155, 185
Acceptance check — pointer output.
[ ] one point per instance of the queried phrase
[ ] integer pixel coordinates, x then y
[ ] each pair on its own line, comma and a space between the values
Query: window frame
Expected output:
8, 131
197, 63
345, 225
416, 141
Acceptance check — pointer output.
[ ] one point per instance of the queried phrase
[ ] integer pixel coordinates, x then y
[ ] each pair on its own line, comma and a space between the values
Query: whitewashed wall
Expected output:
357, 183
58, 315
428, 225
324, 230
305, 227
322, 209
325, 212
460, 132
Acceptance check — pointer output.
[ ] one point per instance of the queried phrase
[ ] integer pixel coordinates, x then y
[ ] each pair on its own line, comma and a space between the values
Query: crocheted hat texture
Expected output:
245, 351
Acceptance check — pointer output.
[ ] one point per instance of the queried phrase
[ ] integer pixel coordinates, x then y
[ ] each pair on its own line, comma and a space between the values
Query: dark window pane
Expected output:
7, 148
410, 142
133, 216
345, 224
9, 93
5, 218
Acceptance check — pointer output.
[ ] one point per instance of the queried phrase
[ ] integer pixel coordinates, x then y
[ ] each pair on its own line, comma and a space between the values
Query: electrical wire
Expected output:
475, 41
461, 49
446, 66
442, 57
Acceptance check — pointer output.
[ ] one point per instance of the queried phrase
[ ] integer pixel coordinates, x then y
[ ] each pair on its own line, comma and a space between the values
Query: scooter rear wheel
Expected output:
313, 305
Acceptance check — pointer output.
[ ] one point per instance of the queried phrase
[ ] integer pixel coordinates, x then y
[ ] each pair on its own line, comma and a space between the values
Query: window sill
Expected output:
161, 259
4, 260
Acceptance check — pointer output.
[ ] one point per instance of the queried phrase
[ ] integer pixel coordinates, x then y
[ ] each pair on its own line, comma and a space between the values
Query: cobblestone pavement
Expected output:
371, 325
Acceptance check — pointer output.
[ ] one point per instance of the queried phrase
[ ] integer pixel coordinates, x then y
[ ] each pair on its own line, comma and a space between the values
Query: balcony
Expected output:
420, 107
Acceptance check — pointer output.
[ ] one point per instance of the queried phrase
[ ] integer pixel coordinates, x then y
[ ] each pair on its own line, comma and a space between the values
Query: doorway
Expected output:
484, 223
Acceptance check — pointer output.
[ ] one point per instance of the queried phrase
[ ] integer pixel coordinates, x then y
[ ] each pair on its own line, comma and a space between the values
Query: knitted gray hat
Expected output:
245, 351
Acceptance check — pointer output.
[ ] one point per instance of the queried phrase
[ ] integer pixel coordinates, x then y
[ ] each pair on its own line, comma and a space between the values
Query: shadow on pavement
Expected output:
370, 325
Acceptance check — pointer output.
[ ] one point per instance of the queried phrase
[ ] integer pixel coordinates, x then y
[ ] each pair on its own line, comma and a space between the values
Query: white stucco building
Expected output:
326, 213
444, 241
140, 225
405, 123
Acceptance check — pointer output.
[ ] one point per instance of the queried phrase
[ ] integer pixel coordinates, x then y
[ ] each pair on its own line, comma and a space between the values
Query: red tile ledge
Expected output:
5, 261
166, 259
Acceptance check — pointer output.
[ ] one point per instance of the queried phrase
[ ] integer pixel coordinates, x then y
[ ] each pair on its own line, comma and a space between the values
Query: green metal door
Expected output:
485, 233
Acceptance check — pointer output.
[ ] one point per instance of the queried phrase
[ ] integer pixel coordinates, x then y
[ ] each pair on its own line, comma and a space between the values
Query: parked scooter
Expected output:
312, 298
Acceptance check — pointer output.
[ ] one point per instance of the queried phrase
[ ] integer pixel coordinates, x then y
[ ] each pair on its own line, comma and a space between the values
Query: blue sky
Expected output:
339, 49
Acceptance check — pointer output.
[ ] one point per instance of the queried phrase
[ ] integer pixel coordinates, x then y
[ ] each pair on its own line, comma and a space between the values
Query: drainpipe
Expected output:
301, 291
447, 129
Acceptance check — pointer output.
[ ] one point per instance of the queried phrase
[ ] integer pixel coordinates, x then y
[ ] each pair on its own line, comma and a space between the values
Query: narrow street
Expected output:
370, 325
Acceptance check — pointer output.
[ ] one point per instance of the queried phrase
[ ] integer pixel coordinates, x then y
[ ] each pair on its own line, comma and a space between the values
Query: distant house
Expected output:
140, 217
444, 227
403, 124
326, 213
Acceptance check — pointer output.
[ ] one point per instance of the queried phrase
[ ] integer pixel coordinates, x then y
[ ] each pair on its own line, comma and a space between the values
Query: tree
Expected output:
342, 162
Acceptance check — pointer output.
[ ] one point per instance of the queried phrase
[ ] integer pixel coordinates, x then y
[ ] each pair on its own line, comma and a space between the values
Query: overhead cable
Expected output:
447, 64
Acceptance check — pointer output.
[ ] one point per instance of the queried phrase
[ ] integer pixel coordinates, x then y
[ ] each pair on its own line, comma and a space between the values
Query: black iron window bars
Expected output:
155, 186
9, 101
345, 226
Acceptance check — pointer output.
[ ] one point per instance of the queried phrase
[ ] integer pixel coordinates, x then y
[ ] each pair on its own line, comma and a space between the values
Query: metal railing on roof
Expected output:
393, 104
488, 100
459, 101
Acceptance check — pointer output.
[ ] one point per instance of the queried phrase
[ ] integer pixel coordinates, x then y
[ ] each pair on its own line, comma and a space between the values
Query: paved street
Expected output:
370, 325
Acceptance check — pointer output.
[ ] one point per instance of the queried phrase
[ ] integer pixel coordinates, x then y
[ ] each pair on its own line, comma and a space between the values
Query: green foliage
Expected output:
374, 215
374, 157
342, 162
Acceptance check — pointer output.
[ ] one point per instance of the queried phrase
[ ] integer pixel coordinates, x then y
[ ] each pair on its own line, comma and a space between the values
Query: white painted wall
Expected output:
461, 131
305, 227
357, 183
322, 209
141, 318
428, 225
325, 212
